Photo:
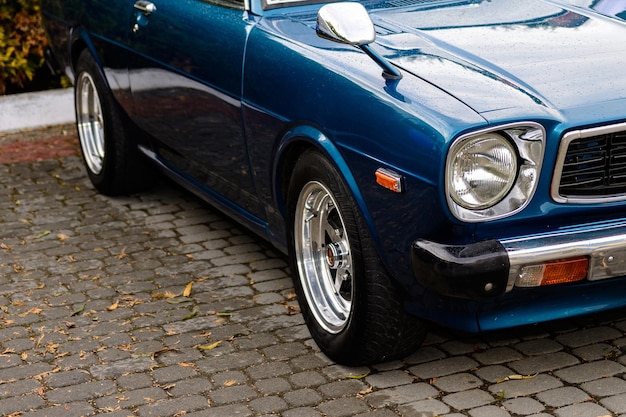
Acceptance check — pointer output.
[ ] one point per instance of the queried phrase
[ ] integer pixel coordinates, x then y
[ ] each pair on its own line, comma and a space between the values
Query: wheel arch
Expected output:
299, 139
79, 41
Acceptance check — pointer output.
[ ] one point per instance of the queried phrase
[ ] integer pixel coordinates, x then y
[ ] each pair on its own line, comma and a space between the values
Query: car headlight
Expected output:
493, 173
482, 171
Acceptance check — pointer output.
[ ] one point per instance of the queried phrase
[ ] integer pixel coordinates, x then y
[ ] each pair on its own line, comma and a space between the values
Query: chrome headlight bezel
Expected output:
527, 141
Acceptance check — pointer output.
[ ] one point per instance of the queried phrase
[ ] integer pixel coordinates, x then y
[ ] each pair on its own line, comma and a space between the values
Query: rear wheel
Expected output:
113, 162
350, 304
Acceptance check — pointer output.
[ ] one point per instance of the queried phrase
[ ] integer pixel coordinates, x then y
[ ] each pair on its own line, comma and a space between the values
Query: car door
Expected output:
185, 70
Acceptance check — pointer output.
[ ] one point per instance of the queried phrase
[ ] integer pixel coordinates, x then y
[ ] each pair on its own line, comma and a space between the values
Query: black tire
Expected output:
113, 162
351, 306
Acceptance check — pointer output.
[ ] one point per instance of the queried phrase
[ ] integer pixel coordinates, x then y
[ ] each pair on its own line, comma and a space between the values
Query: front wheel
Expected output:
350, 304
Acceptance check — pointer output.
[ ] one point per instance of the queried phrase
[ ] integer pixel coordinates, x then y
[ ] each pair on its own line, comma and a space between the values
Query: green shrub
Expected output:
22, 42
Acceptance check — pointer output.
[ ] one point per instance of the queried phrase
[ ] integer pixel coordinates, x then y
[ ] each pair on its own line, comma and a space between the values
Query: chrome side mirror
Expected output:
347, 23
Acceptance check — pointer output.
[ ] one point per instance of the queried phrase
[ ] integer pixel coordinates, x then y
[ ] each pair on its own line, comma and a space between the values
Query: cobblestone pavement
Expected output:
156, 305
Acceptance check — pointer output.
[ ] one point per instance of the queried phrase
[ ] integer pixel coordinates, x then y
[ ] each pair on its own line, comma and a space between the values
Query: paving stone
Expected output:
190, 386
131, 399
307, 379
269, 370
589, 336
302, 412
303, 397
18, 388
23, 371
230, 378
232, 394
523, 406
173, 406
488, 411
424, 408
456, 347
494, 373
379, 413
121, 367
604, 387
443, 367
468, 399
285, 351
65, 378
582, 410
134, 381
235, 410
173, 373
497, 355
401, 395
596, 351
457, 382
70, 409
615, 403
270, 404
389, 379
560, 397
343, 407
538, 346
543, 363
590, 371
237, 360
342, 388
84, 391
273, 386
523, 387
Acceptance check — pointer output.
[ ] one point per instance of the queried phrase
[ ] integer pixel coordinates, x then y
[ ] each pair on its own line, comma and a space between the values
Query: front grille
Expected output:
594, 166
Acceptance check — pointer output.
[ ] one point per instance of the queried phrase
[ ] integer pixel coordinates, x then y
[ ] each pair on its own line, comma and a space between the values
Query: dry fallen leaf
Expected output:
208, 347
358, 376
193, 313
79, 310
114, 306
42, 234
516, 377
164, 295
187, 291
34, 310
366, 391
179, 300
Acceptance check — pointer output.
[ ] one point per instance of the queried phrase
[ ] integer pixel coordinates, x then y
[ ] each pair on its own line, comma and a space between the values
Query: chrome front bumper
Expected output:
491, 268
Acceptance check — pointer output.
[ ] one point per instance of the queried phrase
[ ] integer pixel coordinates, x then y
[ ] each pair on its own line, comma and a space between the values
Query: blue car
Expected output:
457, 162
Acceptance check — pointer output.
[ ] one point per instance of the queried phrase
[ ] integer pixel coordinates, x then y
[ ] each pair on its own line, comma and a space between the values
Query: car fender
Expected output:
308, 136
80, 40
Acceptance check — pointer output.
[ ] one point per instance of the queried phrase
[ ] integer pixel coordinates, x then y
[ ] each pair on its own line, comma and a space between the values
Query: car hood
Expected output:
501, 55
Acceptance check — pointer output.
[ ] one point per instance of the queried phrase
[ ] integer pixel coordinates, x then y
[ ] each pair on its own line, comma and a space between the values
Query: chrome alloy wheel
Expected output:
323, 257
90, 122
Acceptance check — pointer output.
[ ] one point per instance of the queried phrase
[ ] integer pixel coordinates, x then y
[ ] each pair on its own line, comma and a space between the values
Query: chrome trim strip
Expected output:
560, 160
603, 244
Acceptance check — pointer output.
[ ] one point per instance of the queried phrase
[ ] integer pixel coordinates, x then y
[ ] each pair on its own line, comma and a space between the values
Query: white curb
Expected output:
34, 110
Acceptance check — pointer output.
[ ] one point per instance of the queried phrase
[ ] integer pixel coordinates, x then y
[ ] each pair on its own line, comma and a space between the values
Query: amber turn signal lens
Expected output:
553, 272
389, 180
569, 270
